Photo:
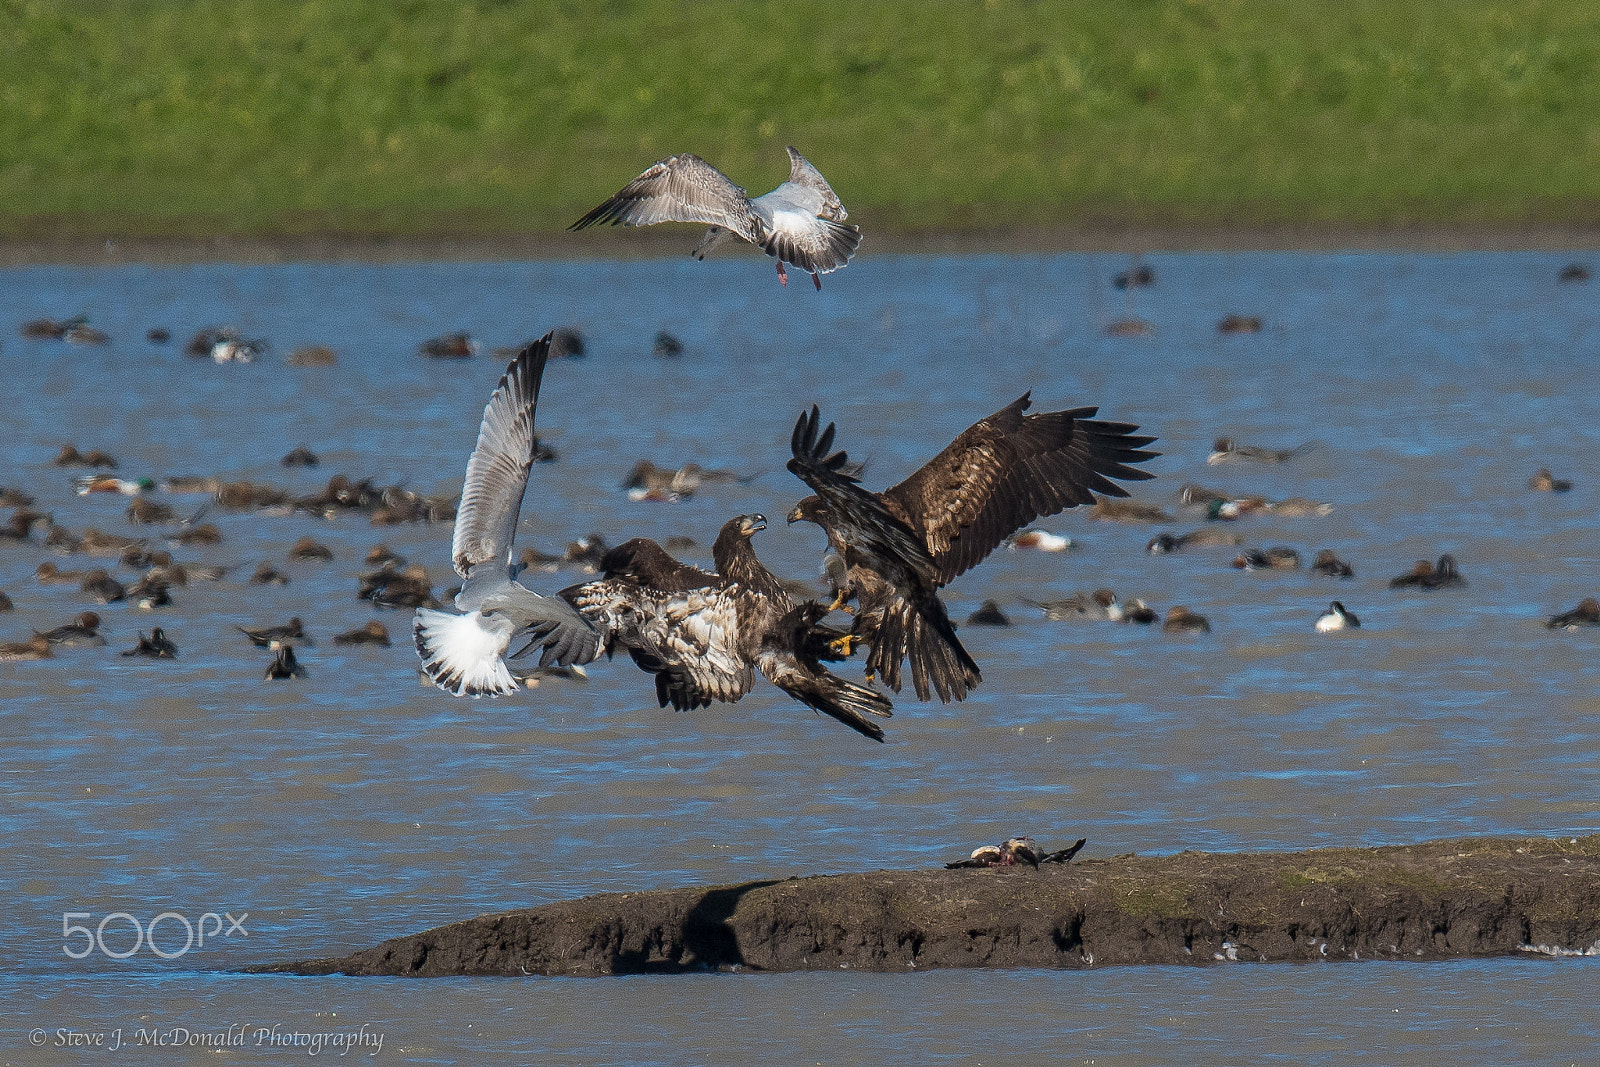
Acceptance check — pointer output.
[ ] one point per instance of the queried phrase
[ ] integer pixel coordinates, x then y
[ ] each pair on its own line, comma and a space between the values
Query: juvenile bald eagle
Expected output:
902, 545
704, 635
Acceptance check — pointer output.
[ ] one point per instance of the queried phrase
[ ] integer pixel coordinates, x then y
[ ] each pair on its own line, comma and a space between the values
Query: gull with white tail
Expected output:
801, 222
465, 653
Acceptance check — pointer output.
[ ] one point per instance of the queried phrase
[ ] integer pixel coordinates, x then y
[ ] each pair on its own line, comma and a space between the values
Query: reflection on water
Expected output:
357, 805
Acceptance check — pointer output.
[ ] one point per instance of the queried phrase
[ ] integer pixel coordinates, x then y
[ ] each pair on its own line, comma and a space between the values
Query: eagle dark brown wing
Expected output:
909, 621
1007, 470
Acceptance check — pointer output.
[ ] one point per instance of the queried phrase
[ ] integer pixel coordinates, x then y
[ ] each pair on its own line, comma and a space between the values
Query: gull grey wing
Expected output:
564, 635
801, 172
681, 188
497, 473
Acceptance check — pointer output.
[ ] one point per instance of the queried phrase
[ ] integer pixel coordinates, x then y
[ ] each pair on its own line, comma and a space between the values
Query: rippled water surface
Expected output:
357, 805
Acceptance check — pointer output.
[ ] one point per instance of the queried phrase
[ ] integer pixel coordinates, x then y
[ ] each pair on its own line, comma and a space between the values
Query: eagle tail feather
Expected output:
939, 662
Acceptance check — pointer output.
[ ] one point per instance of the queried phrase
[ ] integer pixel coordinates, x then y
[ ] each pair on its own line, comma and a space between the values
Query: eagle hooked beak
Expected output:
794, 515
754, 523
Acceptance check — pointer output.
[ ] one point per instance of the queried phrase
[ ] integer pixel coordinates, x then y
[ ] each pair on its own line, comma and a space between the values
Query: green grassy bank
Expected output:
263, 117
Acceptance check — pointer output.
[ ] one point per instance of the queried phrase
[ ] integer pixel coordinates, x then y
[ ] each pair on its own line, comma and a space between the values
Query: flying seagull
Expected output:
465, 653
800, 222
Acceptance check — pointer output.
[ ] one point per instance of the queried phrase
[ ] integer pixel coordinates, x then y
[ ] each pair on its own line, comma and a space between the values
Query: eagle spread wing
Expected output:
910, 620
681, 188
901, 545
1007, 470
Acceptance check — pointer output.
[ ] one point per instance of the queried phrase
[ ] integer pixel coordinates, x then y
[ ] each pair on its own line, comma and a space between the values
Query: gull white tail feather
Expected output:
463, 653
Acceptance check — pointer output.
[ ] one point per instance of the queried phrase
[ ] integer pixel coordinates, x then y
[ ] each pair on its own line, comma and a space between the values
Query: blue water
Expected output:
358, 805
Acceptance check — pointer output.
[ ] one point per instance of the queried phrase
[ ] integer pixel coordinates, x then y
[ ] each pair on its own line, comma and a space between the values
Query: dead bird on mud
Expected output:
1014, 851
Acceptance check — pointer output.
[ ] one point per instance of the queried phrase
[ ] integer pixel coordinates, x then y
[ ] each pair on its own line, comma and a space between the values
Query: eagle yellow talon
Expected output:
845, 645
841, 600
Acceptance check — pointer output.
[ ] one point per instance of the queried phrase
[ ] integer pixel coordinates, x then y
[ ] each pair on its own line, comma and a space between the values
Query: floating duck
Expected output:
1226, 450
307, 550
1277, 558
150, 592
156, 646
1206, 537
1587, 613
989, 614
204, 534
49, 574
104, 588
284, 665
106, 483
1107, 509
144, 512
1137, 278
50, 329
1544, 482
373, 633
1330, 565
1180, 620
230, 347
69, 456
1425, 575
1337, 617
267, 574
19, 527
1041, 540
312, 356
35, 647
666, 346
81, 333
273, 636
84, 629
1099, 605
458, 345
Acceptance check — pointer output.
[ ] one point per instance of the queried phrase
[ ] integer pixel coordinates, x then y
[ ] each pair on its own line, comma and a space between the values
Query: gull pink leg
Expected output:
783, 275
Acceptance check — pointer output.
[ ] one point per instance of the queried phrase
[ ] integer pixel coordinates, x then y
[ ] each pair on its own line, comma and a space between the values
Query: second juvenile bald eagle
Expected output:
704, 635
902, 545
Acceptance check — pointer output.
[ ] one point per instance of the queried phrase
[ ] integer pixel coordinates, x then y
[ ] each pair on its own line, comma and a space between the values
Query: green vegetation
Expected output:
195, 117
